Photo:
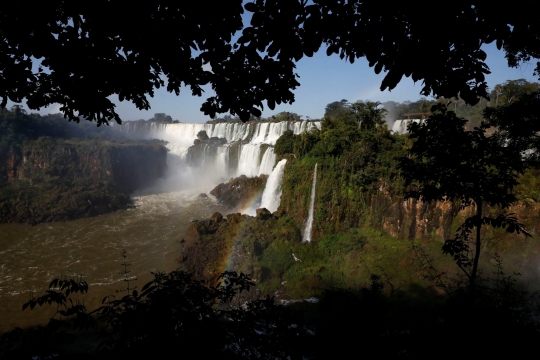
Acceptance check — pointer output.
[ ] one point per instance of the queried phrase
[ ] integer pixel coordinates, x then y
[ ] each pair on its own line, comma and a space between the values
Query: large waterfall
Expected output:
309, 222
271, 196
247, 148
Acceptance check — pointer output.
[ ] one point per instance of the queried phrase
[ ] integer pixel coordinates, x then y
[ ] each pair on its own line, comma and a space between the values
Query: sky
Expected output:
323, 80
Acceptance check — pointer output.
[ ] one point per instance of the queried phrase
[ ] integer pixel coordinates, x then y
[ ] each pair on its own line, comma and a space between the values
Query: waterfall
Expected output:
267, 162
248, 163
271, 196
400, 126
222, 162
247, 158
309, 223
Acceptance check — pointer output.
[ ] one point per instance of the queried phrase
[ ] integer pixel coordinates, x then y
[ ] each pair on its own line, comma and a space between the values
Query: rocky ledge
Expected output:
241, 191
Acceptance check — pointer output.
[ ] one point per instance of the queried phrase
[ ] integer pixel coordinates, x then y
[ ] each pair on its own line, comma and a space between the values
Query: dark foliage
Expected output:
175, 314
465, 166
462, 165
161, 44
172, 314
523, 134
285, 143
46, 340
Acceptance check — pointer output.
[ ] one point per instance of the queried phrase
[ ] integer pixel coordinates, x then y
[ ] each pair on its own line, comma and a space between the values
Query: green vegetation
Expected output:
353, 164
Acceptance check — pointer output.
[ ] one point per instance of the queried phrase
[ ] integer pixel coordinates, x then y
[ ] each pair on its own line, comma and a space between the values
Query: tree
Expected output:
367, 114
80, 54
522, 134
512, 90
470, 168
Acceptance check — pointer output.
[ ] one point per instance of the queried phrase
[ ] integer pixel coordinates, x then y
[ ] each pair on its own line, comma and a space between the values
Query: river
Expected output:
31, 256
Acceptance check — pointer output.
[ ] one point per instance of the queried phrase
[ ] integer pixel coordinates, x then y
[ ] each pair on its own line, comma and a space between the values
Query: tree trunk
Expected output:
472, 284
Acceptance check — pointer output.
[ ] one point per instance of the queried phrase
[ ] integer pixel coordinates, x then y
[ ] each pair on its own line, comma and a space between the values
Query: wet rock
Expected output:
217, 217
234, 218
241, 191
263, 214
236, 243
203, 195
202, 135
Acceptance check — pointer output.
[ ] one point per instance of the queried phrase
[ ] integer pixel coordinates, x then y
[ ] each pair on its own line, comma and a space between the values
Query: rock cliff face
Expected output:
338, 209
54, 179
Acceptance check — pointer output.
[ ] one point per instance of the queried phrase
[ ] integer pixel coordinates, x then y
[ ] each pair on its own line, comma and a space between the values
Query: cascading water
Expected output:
400, 126
249, 155
271, 196
309, 223
267, 162
252, 157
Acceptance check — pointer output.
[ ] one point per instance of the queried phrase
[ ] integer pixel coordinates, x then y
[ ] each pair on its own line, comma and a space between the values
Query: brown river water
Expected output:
31, 256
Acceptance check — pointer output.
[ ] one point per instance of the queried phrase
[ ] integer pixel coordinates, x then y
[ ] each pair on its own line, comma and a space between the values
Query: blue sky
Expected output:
323, 79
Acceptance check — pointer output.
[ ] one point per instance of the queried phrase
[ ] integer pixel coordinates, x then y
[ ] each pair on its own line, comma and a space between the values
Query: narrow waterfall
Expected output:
309, 223
271, 196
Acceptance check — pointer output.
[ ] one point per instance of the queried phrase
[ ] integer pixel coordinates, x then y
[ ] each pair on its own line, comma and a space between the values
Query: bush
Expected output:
285, 143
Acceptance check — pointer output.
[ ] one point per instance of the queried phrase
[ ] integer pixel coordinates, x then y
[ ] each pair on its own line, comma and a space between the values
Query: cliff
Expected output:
50, 179
340, 206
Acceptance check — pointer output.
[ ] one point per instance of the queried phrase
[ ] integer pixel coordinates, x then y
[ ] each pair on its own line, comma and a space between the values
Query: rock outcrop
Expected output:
240, 192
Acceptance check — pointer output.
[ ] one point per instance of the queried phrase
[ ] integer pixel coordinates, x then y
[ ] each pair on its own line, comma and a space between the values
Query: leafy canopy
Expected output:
461, 165
82, 54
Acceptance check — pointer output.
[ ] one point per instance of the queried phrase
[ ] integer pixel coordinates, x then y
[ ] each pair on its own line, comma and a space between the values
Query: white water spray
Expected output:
271, 196
309, 223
